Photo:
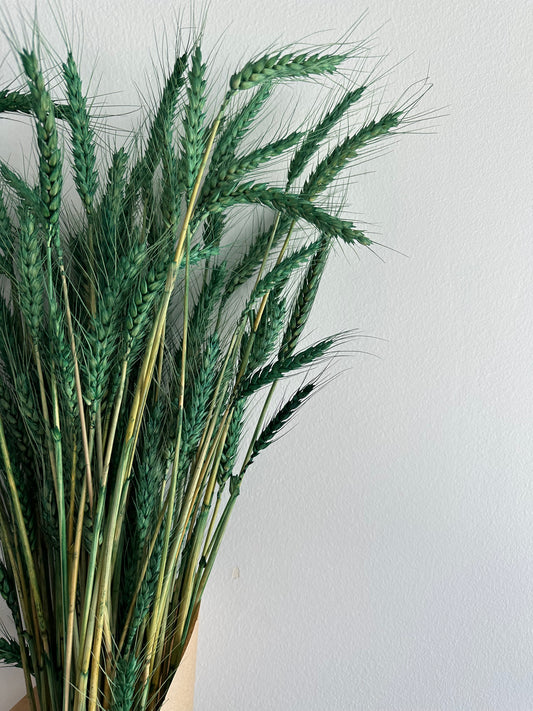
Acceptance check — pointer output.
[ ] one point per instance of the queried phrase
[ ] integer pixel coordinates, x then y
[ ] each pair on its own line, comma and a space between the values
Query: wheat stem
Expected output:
153, 631
74, 567
16, 570
26, 551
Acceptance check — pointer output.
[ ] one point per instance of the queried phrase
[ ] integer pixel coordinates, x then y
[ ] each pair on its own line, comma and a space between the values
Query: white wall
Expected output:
403, 579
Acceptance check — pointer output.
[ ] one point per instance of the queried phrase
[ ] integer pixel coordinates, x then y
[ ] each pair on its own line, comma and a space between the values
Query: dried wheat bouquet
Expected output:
141, 341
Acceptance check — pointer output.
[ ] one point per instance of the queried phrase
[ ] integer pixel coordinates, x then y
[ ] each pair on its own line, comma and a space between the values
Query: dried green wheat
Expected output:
328, 168
290, 364
318, 133
50, 162
286, 66
278, 421
10, 653
305, 299
137, 335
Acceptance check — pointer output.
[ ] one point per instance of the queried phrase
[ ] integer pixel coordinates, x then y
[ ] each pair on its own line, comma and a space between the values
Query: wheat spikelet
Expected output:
278, 422
286, 66
279, 275
269, 330
10, 653
50, 162
290, 364
328, 169
295, 207
193, 140
317, 134
305, 299
83, 149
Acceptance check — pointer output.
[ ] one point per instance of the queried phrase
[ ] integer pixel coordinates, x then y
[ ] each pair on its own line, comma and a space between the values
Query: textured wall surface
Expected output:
381, 555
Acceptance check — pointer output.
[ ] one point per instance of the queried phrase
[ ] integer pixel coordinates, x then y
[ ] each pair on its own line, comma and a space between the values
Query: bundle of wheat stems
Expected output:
132, 341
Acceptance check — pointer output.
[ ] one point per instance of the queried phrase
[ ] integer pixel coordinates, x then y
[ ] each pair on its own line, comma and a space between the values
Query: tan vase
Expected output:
180, 696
